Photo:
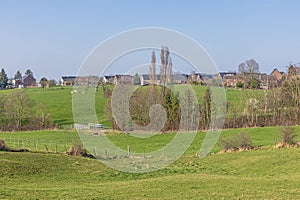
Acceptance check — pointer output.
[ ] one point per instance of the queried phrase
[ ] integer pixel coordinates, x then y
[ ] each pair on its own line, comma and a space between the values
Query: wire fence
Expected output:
36, 145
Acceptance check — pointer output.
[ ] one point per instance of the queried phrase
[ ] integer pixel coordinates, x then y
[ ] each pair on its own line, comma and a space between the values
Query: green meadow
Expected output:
59, 101
260, 174
46, 173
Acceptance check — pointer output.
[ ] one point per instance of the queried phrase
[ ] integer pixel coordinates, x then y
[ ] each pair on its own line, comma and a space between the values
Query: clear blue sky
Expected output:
53, 37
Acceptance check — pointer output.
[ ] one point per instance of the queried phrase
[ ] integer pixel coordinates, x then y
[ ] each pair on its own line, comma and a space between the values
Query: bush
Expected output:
288, 136
228, 144
239, 84
78, 150
254, 84
3, 146
239, 142
244, 141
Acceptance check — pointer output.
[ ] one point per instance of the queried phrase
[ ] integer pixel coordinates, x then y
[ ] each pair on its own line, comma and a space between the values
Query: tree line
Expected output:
273, 107
19, 112
159, 92
250, 108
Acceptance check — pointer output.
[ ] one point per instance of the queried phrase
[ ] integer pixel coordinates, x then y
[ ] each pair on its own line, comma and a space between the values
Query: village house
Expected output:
17, 83
176, 79
145, 79
179, 78
123, 79
229, 78
195, 78
279, 75
68, 80
79, 80
29, 81
109, 79
87, 80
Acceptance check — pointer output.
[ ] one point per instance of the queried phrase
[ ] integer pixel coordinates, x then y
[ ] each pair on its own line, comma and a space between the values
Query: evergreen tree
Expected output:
3, 79
136, 79
28, 72
18, 75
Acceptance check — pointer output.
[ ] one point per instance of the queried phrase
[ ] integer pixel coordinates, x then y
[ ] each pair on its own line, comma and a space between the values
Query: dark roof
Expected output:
179, 77
108, 77
226, 74
281, 72
29, 77
208, 76
69, 78
175, 77
146, 77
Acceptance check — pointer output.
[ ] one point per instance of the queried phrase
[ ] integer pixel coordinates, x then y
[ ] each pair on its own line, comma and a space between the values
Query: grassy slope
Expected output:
261, 174
59, 102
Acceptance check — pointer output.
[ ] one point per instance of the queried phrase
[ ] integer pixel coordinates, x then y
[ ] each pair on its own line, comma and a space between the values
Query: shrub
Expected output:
244, 141
78, 150
228, 144
3, 146
239, 84
288, 136
241, 141
254, 84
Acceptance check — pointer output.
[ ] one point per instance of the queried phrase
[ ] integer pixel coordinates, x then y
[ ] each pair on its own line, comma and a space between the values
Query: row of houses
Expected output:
274, 79
229, 79
144, 79
25, 82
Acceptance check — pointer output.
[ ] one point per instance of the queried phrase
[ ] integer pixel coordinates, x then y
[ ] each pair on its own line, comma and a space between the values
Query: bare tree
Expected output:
165, 68
152, 70
18, 108
293, 70
43, 116
162, 67
169, 72
44, 82
52, 83
247, 70
291, 90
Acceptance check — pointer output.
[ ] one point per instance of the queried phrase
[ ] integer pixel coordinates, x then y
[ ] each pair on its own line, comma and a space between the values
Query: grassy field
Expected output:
46, 173
59, 101
260, 137
261, 174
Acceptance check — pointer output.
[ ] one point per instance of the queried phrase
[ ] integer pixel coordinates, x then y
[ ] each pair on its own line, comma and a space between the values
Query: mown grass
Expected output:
261, 174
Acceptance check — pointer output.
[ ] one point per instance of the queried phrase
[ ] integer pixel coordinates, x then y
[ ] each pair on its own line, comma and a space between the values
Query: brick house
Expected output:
276, 73
29, 81
68, 80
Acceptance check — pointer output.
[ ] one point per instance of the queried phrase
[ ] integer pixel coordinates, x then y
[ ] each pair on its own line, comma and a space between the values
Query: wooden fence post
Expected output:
128, 150
36, 145
95, 151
